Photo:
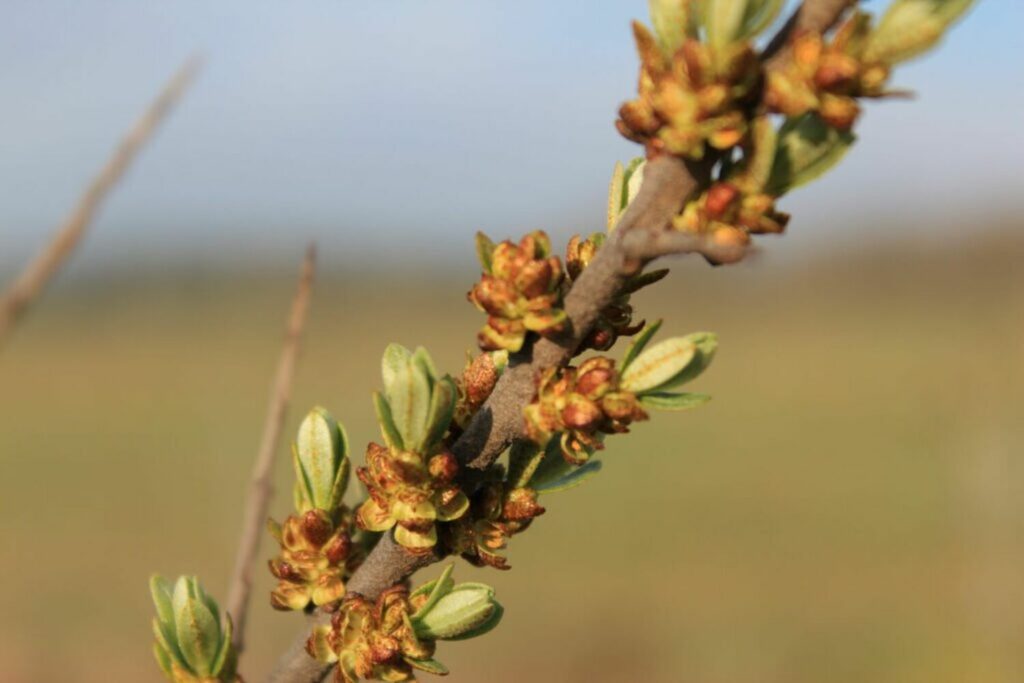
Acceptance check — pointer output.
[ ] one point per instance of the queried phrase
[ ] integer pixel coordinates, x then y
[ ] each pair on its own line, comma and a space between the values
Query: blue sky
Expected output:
403, 126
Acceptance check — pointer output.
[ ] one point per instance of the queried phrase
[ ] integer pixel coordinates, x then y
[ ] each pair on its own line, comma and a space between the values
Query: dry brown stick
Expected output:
668, 184
33, 279
261, 486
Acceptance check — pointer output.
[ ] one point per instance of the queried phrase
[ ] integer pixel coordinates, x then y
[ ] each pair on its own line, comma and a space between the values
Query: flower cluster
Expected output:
690, 98
193, 643
581, 405
316, 552
411, 480
390, 638
520, 291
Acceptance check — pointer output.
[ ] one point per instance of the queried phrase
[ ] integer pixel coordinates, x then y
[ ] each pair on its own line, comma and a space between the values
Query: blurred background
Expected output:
848, 508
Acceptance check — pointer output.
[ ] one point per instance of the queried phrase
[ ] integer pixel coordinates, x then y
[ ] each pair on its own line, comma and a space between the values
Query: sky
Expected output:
395, 129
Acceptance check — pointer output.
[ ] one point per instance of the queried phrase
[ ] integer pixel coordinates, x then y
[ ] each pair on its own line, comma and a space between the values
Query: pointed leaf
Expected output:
488, 625
321, 447
661, 400
484, 251
638, 344
224, 651
523, 461
431, 666
442, 409
723, 20
387, 423
562, 476
197, 630
912, 27
759, 15
434, 590
807, 148
160, 589
673, 23
396, 357
658, 365
706, 344
409, 400
463, 609
303, 492
615, 190
163, 660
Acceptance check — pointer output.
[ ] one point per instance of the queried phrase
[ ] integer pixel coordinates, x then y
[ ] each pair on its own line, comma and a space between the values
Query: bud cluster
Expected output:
392, 637
411, 479
193, 642
827, 76
581, 405
691, 98
316, 551
499, 511
520, 291
476, 384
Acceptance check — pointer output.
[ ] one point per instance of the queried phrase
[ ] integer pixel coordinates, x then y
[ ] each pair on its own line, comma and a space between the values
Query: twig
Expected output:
32, 280
818, 16
668, 184
261, 487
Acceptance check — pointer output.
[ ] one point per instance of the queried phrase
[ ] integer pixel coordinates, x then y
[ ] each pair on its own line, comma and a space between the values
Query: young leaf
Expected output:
615, 190
442, 408
422, 358
706, 344
658, 365
321, 448
912, 27
723, 20
759, 15
670, 401
387, 423
431, 666
465, 611
484, 251
638, 344
673, 22
523, 461
571, 477
807, 148
409, 400
434, 590
198, 632
634, 179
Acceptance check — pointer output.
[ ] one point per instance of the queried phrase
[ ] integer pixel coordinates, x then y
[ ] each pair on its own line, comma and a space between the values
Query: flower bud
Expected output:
721, 197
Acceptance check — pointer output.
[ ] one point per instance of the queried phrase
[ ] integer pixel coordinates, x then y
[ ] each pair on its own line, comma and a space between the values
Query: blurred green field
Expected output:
847, 509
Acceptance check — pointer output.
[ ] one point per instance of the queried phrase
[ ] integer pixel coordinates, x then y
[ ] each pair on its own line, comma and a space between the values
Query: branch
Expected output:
642, 234
35, 276
254, 520
814, 16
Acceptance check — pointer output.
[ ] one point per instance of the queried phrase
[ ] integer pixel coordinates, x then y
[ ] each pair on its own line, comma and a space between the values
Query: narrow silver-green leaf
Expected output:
911, 27
395, 357
615, 190
409, 400
442, 409
320, 446
658, 365
523, 460
163, 660
421, 357
759, 15
160, 589
197, 630
387, 423
807, 149
224, 652
431, 666
723, 20
663, 400
464, 609
434, 590
673, 22
638, 344
706, 344
484, 251
564, 476
496, 613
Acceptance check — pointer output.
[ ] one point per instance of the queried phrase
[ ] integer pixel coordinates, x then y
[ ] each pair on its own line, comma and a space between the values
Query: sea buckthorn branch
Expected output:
707, 112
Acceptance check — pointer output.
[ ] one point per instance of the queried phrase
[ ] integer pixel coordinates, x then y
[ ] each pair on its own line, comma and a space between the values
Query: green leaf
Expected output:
163, 659
555, 474
396, 357
321, 448
807, 148
431, 666
673, 22
197, 629
615, 190
409, 400
669, 401
434, 590
442, 408
463, 612
723, 20
387, 423
634, 179
484, 251
422, 359
706, 344
638, 282
757, 169
658, 365
759, 15
912, 27
638, 344
493, 620
160, 589
224, 652
523, 460
167, 640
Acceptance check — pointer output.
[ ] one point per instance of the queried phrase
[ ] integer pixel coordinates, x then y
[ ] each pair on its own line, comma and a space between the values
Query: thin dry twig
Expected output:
33, 279
261, 486
668, 184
